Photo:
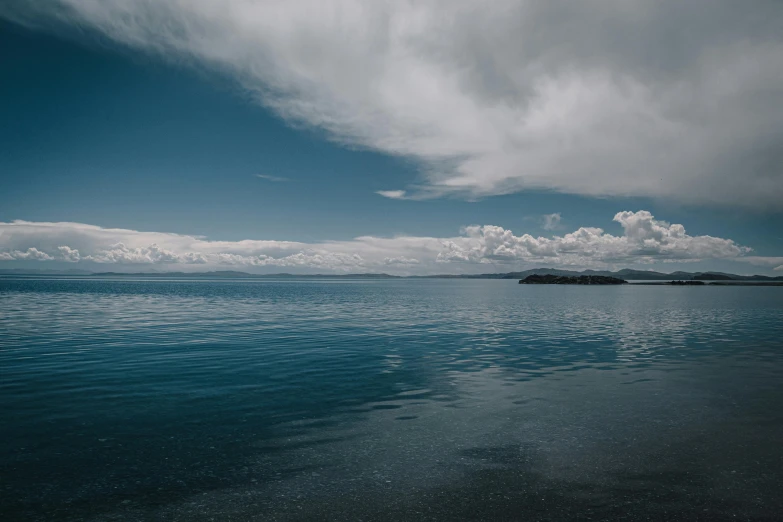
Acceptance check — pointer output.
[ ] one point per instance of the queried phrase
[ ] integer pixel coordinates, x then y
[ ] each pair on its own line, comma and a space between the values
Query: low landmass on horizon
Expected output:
626, 273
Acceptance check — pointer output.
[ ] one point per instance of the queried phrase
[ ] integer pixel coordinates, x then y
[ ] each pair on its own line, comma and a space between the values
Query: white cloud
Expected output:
776, 263
68, 254
119, 253
308, 258
552, 221
31, 254
763, 261
401, 261
644, 240
392, 194
276, 179
671, 99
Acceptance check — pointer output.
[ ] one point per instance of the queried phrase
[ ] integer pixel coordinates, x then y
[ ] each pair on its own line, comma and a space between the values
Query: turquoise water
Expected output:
388, 400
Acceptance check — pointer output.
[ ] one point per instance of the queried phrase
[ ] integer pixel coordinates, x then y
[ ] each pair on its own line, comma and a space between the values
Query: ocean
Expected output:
373, 399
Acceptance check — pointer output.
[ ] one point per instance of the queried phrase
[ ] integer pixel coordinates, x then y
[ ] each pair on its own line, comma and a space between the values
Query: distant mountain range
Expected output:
626, 273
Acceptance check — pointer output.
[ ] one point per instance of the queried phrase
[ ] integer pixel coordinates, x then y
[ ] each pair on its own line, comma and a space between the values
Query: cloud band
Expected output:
644, 240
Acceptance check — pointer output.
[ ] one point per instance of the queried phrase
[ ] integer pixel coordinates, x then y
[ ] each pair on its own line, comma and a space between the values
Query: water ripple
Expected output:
176, 395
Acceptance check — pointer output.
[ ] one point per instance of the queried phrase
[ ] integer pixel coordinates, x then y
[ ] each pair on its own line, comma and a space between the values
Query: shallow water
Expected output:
388, 400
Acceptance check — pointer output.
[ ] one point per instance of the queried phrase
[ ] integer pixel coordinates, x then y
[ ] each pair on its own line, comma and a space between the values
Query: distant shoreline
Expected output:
634, 277
711, 283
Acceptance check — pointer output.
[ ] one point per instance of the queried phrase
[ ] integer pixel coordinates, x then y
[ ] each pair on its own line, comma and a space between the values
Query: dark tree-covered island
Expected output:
549, 279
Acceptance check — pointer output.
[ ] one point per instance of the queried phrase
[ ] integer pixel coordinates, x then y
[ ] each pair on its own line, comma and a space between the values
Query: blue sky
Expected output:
104, 131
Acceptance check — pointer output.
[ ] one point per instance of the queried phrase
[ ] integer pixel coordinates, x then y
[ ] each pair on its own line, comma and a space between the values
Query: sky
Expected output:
399, 137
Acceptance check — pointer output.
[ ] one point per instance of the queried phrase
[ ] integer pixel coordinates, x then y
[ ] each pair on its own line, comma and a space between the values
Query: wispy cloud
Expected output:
392, 194
276, 179
644, 240
552, 221
670, 99
776, 263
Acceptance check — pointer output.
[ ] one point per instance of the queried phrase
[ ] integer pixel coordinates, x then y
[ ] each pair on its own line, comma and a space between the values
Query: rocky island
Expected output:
549, 279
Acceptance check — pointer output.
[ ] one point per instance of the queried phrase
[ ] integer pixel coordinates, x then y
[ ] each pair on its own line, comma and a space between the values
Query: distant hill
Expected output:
232, 274
628, 274
220, 273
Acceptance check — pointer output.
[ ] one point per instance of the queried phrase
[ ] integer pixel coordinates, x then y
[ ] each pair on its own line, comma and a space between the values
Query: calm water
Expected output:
388, 400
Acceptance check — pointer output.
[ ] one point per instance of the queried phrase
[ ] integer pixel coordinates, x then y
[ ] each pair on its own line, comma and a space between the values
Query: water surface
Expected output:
388, 400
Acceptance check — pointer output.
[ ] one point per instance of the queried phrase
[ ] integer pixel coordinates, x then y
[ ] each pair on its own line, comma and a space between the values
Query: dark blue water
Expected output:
388, 400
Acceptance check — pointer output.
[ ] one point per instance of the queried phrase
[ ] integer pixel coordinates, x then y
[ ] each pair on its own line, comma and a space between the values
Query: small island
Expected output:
549, 279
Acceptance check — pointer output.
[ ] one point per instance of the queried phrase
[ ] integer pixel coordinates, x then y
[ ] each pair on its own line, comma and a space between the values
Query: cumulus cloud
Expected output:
645, 239
31, 254
68, 254
665, 99
552, 221
119, 253
402, 261
308, 258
